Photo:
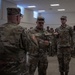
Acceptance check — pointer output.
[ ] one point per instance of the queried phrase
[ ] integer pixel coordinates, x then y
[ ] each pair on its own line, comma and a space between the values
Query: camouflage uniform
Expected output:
37, 51
38, 58
52, 44
64, 40
74, 43
12, 57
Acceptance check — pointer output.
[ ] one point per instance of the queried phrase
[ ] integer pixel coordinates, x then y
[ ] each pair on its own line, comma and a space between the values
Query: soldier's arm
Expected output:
71, 31
56, 33
71, 34
45, 40
23, 40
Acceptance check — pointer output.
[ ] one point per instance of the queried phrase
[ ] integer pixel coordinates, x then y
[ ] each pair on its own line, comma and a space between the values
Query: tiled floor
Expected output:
53, 66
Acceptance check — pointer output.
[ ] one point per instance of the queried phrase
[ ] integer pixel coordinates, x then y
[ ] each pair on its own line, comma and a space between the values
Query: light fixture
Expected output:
41, 10
54, 4
31, 6
61, 9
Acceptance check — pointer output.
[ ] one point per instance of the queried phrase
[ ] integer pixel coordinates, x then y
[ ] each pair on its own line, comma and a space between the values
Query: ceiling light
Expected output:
41, 10
54, 4
61, 9
31, 6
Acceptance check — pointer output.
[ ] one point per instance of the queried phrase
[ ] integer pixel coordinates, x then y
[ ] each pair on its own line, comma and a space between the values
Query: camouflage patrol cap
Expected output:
63, 18
40, 18
13, 11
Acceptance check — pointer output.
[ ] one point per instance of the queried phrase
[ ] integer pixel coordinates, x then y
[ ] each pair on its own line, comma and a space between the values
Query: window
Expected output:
35, 14
22, 9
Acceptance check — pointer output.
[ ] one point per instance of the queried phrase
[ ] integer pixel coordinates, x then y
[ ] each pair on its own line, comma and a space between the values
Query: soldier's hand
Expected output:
34, 38
46, 42
55, 33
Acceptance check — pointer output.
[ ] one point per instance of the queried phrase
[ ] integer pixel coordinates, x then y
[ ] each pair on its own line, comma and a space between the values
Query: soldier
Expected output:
73, 54
49, 48
52, 39
48, 28
64, 44
12, 57
38, 53
51, 30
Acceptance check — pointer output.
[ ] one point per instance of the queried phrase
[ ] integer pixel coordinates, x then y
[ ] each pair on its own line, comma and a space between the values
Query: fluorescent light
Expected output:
31, 6
41, 10
61, 9
54, 4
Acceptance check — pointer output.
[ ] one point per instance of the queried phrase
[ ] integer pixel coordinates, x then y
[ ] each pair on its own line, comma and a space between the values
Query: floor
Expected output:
53, 66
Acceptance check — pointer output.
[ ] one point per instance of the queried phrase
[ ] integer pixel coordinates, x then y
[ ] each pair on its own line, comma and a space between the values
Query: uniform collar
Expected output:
63, 26
38, 29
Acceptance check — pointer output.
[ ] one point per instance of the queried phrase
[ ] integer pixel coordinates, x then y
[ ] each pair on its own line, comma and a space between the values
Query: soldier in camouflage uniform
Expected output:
51, 48
37, 53
12, 57
73, 54
48, 28
64, 44
52, 39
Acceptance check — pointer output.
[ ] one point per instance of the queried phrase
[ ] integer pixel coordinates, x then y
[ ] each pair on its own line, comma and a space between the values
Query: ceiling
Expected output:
68, 5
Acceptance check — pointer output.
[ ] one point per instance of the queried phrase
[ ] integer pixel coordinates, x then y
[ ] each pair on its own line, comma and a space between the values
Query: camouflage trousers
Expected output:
3, 73
52, 50
7, 73
40, 62
64, 57
21, 69
73, 53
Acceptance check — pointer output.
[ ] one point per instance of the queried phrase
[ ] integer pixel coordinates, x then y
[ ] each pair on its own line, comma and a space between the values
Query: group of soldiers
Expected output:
16, 43
53, 45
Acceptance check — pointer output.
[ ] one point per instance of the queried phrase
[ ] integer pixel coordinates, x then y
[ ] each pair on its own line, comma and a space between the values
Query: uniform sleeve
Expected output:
57, 33
1, 44
44, 37
71, 31
71, 34
23, 40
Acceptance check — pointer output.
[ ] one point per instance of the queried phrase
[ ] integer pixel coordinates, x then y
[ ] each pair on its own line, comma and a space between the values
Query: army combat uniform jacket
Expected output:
12, 57
64, 43
37, 51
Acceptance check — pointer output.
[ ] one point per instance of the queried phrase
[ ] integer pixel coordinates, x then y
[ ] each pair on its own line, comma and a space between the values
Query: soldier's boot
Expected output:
66, 73
61, 73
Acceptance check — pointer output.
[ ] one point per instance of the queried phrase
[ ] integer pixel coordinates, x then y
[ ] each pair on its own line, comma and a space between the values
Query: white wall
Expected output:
28, 20
5, 5
53, 19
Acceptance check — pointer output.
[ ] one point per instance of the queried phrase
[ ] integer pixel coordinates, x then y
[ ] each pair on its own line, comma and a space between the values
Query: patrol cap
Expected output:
14, 11
63, 18
40, 18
